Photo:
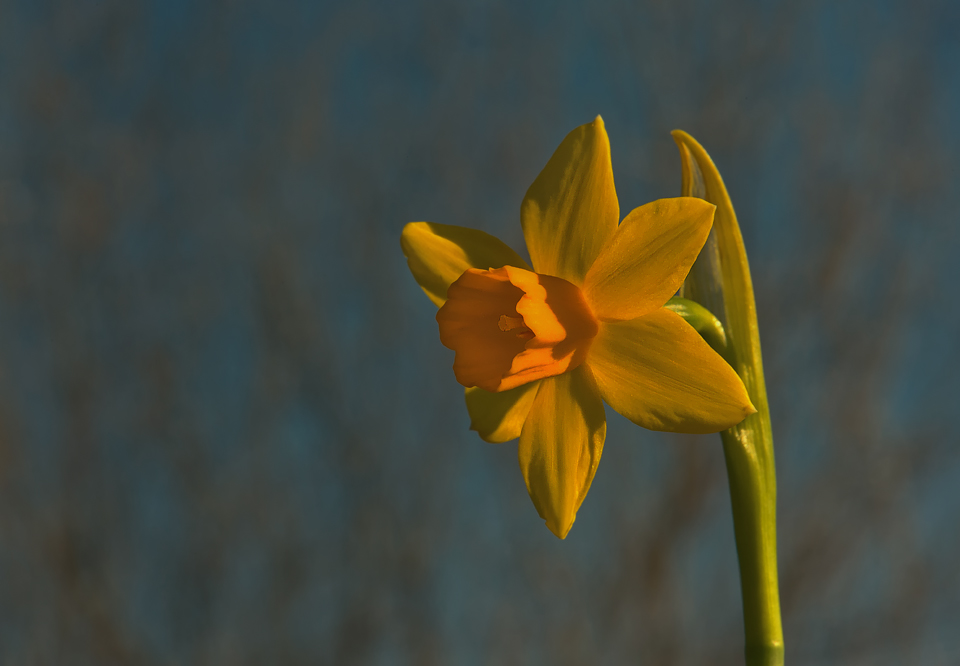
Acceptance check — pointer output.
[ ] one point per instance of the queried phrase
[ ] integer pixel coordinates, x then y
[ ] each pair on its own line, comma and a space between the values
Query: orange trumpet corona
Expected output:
509, 326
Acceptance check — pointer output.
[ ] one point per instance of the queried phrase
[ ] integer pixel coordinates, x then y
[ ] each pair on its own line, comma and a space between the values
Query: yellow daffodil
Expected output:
540, 349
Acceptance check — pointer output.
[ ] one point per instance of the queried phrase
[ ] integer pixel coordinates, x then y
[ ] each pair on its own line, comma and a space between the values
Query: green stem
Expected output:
720, 281
754, 525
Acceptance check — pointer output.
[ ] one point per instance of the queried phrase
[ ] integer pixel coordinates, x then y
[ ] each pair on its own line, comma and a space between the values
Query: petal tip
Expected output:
559, 531
408, 229
702, 204
747, 410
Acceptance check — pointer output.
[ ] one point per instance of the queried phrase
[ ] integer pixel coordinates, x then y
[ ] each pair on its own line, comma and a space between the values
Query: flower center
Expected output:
509, 326
511, 323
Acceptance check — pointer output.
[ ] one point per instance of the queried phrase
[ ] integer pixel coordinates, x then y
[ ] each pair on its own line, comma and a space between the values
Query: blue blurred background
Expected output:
228, 431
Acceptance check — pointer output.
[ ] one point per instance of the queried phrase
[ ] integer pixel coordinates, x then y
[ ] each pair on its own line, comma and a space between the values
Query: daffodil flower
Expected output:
540, 349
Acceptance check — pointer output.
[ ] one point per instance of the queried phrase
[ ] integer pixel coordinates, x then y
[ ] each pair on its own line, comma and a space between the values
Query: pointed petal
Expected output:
571, 209
499, 417
438, 254
646, 260
560, 446
659, 373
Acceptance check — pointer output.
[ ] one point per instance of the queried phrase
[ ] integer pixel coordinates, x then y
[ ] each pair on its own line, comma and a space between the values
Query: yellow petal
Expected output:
659, 373
648, 257
560, 446
499, 417
571, 209
438, 254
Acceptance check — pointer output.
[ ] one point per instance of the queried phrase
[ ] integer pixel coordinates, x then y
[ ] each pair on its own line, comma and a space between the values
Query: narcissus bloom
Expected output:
541, 349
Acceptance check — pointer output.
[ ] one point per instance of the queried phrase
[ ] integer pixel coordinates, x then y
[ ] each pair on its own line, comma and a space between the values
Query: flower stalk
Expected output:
720, 282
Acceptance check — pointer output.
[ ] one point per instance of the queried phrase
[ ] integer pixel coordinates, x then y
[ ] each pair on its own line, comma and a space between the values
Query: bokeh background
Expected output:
228, 431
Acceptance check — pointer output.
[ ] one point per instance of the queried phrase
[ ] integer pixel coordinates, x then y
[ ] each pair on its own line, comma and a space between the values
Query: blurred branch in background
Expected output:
227, 434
